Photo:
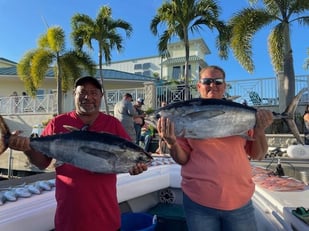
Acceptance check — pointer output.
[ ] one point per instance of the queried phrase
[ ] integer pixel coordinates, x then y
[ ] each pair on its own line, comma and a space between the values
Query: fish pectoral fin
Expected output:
71, 128
98, 153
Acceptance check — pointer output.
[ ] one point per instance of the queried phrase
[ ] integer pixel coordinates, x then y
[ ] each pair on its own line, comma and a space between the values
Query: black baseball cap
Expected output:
128, 95
88, 79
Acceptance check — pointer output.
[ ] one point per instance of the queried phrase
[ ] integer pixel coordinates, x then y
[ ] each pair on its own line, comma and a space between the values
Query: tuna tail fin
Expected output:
4, 135
288, 115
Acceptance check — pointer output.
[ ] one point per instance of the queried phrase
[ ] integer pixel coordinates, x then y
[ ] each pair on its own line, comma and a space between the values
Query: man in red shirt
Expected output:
85, 200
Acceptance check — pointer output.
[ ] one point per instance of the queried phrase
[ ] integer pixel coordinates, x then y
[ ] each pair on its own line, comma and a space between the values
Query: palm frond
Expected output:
56, 39
244, 25
73, 65
40, 63
24, 72
275, 47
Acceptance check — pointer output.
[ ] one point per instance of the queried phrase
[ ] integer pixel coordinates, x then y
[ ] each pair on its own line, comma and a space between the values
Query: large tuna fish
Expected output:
96, 152
213, 118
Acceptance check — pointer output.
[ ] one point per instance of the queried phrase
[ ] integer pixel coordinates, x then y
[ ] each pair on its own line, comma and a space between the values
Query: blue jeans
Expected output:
147, 141
201, 218
138, 130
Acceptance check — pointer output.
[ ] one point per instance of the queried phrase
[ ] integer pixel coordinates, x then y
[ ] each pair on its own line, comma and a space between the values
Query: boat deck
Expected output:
273, 208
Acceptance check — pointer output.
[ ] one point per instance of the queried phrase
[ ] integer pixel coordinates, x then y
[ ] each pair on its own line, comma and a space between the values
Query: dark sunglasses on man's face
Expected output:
208, 81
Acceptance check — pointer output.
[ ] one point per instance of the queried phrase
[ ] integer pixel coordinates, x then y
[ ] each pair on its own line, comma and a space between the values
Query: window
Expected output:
137, 66
146, 66
176, 72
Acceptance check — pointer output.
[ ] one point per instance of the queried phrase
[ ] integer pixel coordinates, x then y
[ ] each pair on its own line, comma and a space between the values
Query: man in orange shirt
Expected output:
216, 172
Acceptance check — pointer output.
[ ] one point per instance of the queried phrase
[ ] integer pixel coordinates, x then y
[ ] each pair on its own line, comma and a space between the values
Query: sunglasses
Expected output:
208, 81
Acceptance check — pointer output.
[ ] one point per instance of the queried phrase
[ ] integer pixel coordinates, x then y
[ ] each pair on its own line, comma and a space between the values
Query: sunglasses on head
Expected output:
208, 81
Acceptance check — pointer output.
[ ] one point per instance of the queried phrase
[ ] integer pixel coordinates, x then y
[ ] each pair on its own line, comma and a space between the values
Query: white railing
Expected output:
266, 89
25, 104
113, 96
256, 92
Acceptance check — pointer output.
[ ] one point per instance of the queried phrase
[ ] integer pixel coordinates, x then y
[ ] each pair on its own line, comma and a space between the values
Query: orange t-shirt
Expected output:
218, 174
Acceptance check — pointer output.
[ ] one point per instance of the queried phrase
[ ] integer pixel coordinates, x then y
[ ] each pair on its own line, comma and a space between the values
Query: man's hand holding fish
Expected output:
19, 143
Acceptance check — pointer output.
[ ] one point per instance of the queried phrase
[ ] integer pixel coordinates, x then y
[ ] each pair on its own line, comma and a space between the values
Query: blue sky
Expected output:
22, 22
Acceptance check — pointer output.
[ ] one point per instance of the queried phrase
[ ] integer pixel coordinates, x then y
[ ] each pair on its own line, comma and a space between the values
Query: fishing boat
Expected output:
157, 192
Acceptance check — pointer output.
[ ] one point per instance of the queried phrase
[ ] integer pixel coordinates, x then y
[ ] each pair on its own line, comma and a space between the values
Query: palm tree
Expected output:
280, 13
182, 16
34, 65
103, 29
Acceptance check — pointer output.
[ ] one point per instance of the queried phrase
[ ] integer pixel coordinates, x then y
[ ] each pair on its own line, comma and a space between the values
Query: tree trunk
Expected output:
59, 87
287, 79
186, 71
103, 88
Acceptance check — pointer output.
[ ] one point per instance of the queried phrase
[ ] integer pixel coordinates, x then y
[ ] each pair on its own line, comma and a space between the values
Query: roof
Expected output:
192, 58
193, 42
7, 61
107, 74
121, 75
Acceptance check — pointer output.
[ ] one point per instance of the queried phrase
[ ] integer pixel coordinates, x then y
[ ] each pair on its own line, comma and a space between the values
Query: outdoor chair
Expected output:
255, 98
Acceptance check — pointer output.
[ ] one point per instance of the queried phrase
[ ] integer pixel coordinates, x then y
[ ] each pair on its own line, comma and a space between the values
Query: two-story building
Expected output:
171, 68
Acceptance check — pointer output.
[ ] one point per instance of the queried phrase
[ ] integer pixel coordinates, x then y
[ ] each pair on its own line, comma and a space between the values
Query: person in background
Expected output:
147, 134
139, 119
85, 200
125, 113
14, 101
162, 147
306, 123
163, 103
25, 100
14, 94
216, 173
